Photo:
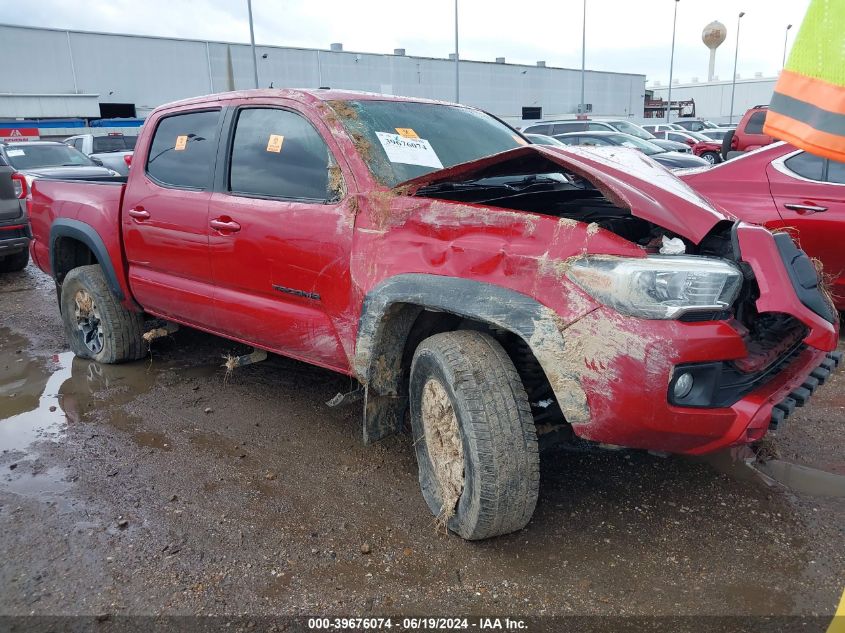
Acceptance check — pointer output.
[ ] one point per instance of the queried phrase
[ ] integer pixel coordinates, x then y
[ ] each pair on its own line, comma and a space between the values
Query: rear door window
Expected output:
113, 143
806, 165
755, 123
563, 128
836, 172
183, 150
278, 154
538, 129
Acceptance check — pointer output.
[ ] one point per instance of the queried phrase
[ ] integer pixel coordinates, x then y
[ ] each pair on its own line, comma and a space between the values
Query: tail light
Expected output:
127, 158
19, 183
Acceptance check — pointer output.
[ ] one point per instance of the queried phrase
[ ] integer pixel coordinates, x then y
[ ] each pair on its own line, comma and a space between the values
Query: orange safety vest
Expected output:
808, 105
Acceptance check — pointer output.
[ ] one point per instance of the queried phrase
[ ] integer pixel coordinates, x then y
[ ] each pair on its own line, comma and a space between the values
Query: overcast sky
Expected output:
622, 35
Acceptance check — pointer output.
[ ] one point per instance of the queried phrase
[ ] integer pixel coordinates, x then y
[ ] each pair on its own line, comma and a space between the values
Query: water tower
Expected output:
713, 35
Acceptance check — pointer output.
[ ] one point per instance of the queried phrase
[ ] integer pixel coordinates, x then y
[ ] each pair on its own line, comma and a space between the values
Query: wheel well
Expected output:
402, 329
70, 253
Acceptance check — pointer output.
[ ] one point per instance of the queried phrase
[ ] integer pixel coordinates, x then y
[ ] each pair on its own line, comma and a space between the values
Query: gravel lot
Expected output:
166, 487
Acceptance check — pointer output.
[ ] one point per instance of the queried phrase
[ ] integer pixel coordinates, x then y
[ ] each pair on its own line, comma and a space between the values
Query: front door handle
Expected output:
225, 225
139, 213
804, 209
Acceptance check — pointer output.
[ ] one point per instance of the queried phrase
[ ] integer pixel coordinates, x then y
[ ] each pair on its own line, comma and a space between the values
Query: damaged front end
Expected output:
706, 333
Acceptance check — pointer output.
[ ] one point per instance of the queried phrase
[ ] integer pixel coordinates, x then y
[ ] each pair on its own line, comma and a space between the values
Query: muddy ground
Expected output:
165, 487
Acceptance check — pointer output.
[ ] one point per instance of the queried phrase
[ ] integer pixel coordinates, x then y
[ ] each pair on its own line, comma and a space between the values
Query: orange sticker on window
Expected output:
407, 132
519, 139
181, 142
275, 143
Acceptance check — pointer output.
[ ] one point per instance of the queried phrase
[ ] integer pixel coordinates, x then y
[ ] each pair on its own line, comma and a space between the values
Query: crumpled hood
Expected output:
82, 171
626, 177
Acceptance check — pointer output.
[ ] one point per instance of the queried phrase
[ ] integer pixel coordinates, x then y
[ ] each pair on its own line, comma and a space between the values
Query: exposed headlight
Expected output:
658, 287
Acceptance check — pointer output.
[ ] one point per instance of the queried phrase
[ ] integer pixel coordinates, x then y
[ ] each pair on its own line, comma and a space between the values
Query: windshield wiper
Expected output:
533, 179
459, 186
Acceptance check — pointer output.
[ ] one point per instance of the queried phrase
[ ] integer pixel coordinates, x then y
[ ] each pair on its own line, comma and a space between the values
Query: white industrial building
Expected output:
89, 75
713, 98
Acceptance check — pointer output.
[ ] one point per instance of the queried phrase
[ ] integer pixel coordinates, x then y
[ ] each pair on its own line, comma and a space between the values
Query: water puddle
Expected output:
803, 479
30, 401
42, 398
741, 464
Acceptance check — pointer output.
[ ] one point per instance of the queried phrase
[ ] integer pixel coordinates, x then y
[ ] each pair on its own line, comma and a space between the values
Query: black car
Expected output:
671, 160
14, 228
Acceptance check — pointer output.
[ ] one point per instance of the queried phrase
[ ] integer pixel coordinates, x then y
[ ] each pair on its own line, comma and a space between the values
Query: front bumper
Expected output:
626, 384
800, 395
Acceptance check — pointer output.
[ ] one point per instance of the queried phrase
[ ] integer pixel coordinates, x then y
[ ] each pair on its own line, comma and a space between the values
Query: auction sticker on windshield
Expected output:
409, 151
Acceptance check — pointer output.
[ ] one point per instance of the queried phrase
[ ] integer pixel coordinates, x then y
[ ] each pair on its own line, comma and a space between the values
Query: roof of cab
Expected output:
310, 96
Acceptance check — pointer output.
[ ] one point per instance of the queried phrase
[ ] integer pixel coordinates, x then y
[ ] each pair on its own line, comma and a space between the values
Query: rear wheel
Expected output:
711, 157
96, 325
14, 263
474, 435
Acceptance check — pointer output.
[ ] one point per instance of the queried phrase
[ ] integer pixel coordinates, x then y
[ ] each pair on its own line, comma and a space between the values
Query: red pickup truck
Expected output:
491, 287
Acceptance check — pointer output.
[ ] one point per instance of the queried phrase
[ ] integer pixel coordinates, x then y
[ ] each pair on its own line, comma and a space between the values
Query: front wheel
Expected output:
96, 325
711, 157
475, 440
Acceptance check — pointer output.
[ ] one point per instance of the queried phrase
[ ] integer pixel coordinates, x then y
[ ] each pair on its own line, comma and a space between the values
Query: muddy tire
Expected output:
475, 440
96, 325
14, 263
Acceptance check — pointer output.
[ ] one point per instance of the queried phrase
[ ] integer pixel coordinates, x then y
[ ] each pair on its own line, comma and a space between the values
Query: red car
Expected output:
700, 145
748, 134
784, 188
489, 286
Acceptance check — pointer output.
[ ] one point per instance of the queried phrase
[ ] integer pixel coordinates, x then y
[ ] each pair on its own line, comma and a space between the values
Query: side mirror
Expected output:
97, 161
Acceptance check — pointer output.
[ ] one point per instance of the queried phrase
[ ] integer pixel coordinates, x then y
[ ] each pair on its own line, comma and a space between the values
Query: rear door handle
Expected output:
804, 209
225, 225
139, 213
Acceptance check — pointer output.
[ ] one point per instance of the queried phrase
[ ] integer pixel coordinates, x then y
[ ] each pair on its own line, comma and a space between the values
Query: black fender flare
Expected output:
85, 233
388, 314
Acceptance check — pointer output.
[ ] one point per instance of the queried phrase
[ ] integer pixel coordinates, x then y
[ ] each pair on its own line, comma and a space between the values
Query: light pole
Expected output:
457, 64
252, 43
736, 55
671, 63
583, 57
785, 38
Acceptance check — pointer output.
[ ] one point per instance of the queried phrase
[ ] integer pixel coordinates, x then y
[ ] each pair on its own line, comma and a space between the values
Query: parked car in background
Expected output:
782, 187
452, 270
748, 134
14, 227
718, 134
654, 128
112, 149
49, 159
700, 145
671, 160
542, 139
553, 128
696, 125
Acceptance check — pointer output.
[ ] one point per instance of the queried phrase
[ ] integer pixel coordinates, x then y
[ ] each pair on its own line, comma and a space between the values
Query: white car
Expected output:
110, 149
